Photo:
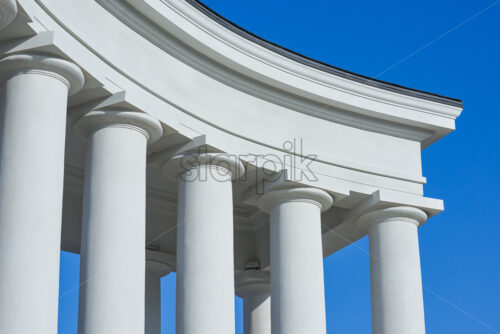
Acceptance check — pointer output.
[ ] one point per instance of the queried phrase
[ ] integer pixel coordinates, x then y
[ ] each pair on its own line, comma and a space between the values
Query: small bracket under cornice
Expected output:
196, 145
383, 198
43, 42
46, 43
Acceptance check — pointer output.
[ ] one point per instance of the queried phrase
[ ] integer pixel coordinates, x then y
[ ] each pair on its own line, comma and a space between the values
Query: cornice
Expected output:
226, 56
223, 46
295, 56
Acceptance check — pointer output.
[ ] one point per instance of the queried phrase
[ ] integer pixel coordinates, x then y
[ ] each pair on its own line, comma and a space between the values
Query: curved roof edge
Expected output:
295, 56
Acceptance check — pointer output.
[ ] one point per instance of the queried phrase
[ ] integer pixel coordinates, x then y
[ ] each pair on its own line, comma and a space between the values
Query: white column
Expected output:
254, 287
205, 259
156, 268
33, 95
297, 283
396, 282
112, 279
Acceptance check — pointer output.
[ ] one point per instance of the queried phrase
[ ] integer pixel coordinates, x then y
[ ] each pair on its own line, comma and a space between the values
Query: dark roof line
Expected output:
295, 56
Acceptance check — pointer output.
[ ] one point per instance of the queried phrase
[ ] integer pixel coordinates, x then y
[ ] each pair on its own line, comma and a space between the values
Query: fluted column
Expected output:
297, 283
112, 279
34, 96
396, 282
156, 268
205, 259
254, 287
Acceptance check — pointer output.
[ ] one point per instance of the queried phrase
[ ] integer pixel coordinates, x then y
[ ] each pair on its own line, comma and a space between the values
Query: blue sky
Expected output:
447, 47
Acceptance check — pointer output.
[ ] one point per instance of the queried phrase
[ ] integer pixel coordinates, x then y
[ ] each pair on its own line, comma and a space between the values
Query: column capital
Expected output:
158, 263
67, 72
315, 196
226, 164
252, 282
8, 12
397, 213
97, 119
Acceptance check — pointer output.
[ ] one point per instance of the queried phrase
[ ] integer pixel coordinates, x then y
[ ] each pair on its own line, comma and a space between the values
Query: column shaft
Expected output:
113, 234
397, 302
32, 129
205, 265
156, 268
257, 313
153, 302
297, 283
253, 286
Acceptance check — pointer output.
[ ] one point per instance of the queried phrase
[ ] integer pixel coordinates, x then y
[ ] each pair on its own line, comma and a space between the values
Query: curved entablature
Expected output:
220, 81
223, 42
321, 65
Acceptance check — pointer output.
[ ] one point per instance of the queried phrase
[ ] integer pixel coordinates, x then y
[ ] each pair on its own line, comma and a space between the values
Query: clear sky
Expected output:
446, 47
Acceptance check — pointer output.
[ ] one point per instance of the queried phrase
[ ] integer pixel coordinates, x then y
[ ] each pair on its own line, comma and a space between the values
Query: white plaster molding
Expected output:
326, 110
235, 50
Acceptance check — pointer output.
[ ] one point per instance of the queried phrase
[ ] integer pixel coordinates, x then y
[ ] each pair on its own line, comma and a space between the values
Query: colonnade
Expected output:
119, 290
